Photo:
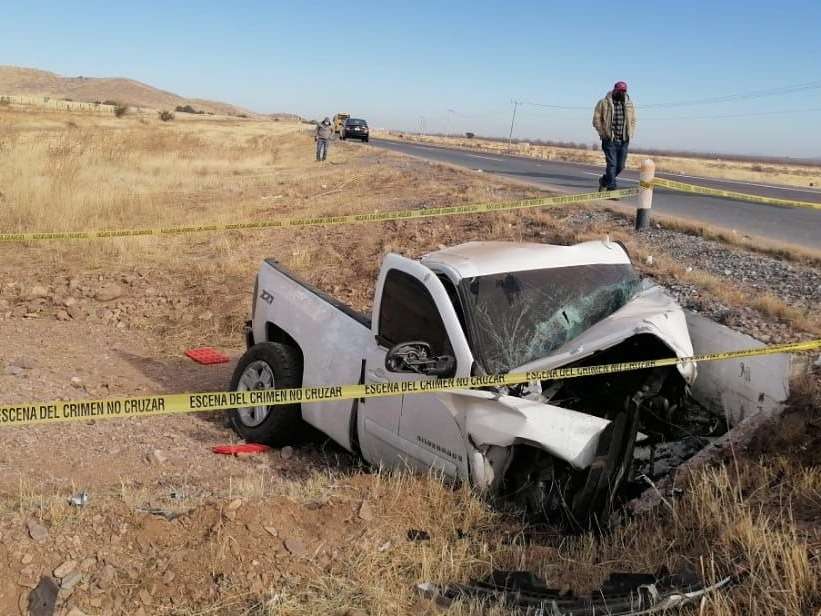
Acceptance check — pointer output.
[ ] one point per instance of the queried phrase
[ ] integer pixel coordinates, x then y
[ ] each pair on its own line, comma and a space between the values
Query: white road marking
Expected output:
620, 179
486, 157
722, 181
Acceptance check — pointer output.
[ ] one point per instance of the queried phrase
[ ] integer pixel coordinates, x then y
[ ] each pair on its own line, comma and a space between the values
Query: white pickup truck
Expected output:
561, 448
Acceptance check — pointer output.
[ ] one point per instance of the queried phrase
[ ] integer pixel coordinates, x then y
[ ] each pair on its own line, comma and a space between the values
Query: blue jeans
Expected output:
321, 149
615, 153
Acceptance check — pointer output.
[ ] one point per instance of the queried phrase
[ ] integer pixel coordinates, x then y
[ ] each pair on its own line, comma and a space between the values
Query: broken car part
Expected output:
622, 594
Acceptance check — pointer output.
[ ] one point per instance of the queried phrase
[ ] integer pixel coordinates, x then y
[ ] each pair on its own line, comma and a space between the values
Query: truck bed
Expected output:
331, 336
361, 317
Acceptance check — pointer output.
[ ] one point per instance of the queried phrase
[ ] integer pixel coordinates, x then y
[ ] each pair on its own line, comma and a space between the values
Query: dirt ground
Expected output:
170, 527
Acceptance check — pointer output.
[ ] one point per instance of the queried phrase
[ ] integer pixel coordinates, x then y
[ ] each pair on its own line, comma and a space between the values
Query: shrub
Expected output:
166, 116
188, 109
120, 109
5, 100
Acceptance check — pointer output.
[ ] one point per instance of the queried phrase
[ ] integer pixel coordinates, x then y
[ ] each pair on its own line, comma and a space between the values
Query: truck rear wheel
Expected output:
269, 365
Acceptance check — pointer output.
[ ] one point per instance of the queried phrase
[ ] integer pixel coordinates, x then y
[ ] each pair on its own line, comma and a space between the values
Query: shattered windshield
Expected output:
518, 317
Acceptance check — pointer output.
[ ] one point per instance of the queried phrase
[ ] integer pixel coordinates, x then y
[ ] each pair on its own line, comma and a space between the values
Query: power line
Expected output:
801, 87
727, 98
738, 115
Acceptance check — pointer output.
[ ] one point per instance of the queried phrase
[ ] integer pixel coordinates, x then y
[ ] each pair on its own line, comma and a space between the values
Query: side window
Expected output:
408, 312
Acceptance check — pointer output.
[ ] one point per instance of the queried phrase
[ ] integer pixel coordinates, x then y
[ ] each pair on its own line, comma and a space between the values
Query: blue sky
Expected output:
393, 63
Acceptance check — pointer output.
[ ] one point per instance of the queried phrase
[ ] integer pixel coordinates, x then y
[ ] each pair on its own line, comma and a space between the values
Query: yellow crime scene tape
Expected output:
730, 194
345, 219
413, 214
29, 413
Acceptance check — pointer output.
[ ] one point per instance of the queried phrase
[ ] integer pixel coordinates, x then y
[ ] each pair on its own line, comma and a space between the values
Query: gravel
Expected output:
795, 284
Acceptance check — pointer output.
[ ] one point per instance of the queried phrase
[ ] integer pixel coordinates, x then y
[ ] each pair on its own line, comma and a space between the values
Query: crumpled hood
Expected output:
652, 311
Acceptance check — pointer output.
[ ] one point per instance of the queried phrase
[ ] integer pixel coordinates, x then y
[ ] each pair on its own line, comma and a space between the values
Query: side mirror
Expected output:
417, 357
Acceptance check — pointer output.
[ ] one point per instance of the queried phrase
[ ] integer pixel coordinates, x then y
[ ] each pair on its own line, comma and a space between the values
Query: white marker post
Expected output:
647, 173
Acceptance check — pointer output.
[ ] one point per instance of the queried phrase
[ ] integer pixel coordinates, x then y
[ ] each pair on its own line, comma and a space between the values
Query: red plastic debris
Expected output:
207, 356
235, 450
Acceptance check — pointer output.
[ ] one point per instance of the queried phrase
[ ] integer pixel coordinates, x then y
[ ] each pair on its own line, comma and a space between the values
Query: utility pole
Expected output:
450, 114
512, 122
422, 125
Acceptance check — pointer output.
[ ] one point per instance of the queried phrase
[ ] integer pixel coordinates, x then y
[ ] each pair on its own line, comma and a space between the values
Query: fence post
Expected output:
647, 172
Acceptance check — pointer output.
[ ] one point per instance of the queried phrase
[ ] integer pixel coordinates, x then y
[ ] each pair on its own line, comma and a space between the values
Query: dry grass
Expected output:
791, 175
728, 521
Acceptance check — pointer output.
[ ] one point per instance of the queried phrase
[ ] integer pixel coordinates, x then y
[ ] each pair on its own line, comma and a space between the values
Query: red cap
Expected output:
620, 86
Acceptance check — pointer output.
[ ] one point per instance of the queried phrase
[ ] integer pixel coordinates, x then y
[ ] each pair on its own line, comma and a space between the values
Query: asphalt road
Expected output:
797, 226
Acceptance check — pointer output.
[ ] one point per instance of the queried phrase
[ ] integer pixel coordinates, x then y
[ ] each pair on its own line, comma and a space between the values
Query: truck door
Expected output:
414, 430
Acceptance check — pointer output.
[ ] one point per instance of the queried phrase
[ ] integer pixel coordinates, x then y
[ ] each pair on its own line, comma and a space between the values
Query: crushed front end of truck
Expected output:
566, 449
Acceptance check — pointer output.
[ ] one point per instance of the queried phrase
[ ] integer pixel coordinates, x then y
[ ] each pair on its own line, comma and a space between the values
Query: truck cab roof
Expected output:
485, 258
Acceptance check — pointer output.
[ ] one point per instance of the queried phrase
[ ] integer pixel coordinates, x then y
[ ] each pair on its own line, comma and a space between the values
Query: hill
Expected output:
34, 82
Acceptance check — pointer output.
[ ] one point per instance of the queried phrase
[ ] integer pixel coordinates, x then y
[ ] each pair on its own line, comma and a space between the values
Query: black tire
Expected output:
283, 424
365, 140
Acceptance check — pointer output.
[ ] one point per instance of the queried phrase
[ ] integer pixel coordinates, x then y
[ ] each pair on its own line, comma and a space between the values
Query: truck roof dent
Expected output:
485, 258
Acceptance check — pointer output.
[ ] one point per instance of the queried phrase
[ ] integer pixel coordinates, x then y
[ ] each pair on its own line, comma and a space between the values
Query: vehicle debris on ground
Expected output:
621, 594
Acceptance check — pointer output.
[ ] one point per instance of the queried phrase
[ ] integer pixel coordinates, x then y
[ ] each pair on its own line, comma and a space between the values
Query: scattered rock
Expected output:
69, 302
62, 315
294, 546
206, 316
157, 457
77, 382
71, 580
88, 564
271, 531
235, 504
365, 512
76, 611
37, 531
66, 568
106, 576
286, 453
108, 293
43, 599
75, 312
648, 259
145, 596
27, 558
13, 370
37, 291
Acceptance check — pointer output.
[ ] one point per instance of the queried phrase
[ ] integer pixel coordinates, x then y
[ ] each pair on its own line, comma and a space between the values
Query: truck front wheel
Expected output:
268, 365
